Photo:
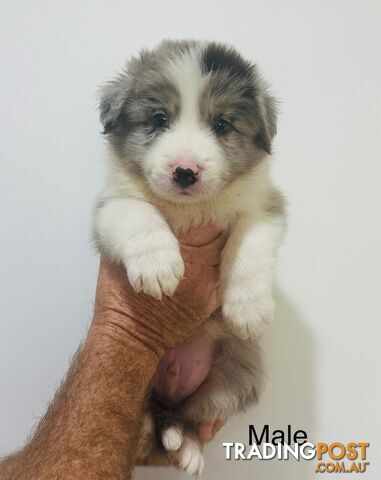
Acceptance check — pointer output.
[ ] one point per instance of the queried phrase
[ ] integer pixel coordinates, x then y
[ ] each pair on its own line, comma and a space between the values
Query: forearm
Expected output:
247, 273
91, 427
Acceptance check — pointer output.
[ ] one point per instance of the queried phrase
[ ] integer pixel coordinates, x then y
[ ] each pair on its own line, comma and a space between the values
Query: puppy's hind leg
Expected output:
232, 385
179, 440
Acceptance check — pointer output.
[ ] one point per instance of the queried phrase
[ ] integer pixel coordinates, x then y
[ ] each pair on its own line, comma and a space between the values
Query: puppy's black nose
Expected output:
185, 177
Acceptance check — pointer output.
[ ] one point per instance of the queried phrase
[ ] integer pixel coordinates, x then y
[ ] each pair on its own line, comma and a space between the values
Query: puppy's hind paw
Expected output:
184, 449
190, 458
173, 438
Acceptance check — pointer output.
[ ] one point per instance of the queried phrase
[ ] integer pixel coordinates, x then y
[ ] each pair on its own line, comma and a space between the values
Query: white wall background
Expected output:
323, 60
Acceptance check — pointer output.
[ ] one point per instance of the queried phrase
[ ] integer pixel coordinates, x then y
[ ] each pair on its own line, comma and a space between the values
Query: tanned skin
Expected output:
91, 428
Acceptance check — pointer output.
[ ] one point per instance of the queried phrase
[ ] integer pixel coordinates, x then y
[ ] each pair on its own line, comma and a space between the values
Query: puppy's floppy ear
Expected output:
267, 118
112, 101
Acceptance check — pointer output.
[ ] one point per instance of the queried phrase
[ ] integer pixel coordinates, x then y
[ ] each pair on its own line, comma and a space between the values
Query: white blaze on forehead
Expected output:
189, 140
185, 72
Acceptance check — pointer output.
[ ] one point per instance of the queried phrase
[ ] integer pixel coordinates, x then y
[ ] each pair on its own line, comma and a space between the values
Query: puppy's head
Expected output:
188, 118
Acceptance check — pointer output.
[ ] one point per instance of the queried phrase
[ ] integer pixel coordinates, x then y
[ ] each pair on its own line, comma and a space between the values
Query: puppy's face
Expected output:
188, 118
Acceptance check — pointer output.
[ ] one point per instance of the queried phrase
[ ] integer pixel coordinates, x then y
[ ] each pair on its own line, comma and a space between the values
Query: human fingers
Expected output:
208, 429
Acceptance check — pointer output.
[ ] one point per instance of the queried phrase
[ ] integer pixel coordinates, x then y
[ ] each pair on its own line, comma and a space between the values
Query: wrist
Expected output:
116, 330
151, 324
111, 347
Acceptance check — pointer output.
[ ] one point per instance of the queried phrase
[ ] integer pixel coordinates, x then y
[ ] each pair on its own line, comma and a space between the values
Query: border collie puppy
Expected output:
190, 127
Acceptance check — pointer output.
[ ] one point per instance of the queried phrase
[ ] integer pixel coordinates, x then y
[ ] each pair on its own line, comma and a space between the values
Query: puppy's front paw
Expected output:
155, 272
246, 313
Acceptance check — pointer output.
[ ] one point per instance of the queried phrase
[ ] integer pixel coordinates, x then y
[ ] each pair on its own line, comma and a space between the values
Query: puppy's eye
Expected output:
222, 126
160, 120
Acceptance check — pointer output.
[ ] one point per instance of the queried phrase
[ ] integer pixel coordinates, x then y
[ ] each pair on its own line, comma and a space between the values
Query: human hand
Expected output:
159, 325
